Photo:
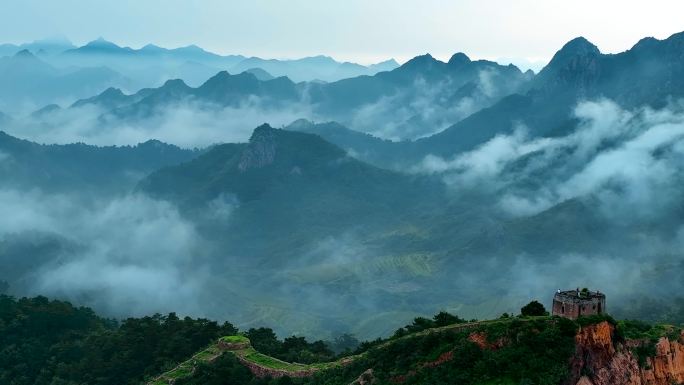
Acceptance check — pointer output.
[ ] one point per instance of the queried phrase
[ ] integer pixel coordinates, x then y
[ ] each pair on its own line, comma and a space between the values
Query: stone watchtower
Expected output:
576, 303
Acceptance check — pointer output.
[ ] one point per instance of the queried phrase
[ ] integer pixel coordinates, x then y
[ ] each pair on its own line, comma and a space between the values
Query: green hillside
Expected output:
509, 351
45, 342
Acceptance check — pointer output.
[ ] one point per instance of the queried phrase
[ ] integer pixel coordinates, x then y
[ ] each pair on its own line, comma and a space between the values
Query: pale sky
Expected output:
364, 31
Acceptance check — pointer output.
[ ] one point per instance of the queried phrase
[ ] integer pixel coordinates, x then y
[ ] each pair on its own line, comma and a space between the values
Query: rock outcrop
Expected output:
601, 360
261, 150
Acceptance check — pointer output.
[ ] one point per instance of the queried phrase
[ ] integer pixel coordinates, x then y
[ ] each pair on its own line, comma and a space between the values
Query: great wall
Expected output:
601, 358
262, 365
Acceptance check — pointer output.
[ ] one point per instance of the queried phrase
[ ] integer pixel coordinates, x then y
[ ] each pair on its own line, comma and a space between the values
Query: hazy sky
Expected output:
358, 30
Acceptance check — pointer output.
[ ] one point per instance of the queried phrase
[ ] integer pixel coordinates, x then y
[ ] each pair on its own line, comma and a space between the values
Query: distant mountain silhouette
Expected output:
83, 168
27, 79
321, 67
649, 74
452, 90
260, 74
143, 62
43, 47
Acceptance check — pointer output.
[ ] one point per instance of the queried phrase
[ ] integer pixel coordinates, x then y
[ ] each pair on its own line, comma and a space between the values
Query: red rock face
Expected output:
667, 367
480, 338
599, 361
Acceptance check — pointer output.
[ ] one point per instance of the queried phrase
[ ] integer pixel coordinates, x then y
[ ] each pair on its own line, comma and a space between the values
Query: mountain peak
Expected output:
389, 62
260, 73
111, 92
152, 48
287, 150
421, 58
24, 53
192, 48
219, 76
318, 59
574, 68
646, 42
263, 131
100, 42
578, 46
419, 62
459, 59
174, 84
261, 150
102, 45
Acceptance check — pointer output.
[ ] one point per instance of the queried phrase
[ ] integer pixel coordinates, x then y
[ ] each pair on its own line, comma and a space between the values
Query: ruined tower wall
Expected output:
570, 305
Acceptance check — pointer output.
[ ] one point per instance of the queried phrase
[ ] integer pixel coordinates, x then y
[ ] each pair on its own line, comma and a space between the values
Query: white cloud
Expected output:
187, 124
138, 255
630, 160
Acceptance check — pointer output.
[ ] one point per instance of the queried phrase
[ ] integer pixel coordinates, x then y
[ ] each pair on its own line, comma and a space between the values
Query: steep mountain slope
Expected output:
290, 175
304, 217
649, 74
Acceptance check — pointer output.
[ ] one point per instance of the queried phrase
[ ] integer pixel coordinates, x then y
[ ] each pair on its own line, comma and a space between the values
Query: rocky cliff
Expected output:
261, 150
602, 359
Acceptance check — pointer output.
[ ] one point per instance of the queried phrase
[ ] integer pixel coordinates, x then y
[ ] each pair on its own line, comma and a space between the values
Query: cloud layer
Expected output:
630, 160
184, 124
130, 252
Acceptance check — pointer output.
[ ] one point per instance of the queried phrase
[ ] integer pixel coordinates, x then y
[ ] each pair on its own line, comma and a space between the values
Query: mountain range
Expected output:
544, 180
27, 81
417, 99
430, 107
80, 167
100, 64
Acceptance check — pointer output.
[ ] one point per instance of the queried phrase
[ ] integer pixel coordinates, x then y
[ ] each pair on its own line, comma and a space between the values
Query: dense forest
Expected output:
52, 342
539, 355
